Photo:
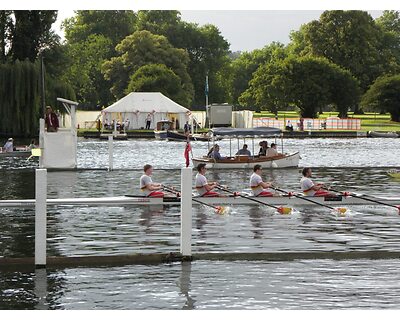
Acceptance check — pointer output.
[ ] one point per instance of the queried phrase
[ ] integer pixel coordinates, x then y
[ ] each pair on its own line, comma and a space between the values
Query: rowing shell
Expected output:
230, 200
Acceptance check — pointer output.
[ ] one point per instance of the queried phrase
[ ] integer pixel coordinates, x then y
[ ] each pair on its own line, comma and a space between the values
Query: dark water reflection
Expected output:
301, 284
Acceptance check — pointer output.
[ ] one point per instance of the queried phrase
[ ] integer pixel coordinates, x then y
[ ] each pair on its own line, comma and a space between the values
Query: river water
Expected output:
83, 231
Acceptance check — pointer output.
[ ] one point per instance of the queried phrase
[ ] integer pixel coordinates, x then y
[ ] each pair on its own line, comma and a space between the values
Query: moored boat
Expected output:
165, 131
379, 134
282, 160
18, 153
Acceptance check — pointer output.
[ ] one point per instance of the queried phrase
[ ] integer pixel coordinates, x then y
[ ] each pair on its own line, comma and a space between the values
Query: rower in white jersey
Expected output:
310, 188
257, 185
148, 187
204, 188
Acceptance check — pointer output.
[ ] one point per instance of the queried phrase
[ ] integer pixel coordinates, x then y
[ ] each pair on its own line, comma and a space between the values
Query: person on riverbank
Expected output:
148, 121
244, 151
310, 188
51, 120
258, 187
9, 145
148, 187
32, 145
204, 188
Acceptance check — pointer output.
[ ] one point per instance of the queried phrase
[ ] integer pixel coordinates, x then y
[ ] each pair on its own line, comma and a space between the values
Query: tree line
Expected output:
345, 60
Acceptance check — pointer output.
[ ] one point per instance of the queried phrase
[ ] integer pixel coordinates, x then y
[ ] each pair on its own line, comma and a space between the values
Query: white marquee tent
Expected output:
136, 106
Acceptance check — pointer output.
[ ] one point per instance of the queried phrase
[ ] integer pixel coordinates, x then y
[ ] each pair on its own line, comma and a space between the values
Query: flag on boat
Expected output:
188, 149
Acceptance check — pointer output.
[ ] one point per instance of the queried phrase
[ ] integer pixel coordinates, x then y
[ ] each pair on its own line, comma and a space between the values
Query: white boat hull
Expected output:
289, 161
229, 200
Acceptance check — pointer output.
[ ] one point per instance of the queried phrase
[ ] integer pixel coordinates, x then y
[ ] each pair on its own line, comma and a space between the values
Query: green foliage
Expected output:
19, 98
143, 48
32, 33
157, 78
308, 83
84, 74
112, 24
206, 47
384, 96
350, 39
91, 39
242, 69
25, 33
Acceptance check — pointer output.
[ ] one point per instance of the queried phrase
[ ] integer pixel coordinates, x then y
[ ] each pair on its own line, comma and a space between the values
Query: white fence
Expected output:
310, 124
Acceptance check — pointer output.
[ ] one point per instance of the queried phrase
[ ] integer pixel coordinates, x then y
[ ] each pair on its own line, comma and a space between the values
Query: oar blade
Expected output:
284, 210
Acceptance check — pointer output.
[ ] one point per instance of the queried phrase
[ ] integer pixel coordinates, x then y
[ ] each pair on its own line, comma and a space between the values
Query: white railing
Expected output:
41, 215
310, 124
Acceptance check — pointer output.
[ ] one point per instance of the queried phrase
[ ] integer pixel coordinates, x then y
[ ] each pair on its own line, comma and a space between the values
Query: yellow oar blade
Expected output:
36, 152
284, 210
341, 211
220, 210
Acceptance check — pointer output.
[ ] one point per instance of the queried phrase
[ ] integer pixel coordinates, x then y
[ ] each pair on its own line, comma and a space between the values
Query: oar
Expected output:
218, 209
346, 193
340, 210
281, 210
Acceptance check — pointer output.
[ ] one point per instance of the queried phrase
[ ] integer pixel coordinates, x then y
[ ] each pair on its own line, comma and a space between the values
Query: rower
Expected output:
148, 187
204, 188
257, 185
310, 188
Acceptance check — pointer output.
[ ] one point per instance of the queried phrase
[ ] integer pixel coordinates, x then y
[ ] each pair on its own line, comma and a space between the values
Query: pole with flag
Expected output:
206, 90
188, 149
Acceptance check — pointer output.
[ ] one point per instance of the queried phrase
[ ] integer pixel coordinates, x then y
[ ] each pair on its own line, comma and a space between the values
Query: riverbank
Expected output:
149, 134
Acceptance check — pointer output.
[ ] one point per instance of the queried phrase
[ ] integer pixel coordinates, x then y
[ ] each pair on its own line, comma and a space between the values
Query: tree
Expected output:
84, 73
384, 95
158, 78
112, 24
350, 39
6, 29
389, 22
32, 33
91, 39
241, 69
206, 47
308, 83
142, 48
25, 33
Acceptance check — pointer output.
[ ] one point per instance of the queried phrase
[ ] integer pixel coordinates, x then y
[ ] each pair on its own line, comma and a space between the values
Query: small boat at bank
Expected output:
380, 134
284, 160
18, 153
165, 131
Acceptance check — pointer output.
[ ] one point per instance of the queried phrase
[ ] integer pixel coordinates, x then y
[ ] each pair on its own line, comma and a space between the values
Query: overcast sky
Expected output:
245, 30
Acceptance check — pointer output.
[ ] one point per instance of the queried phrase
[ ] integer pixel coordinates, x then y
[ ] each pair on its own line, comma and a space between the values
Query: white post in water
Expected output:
186, 211
40, 217
110, 153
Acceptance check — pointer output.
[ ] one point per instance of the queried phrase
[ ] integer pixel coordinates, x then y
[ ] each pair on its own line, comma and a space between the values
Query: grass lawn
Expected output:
369, 121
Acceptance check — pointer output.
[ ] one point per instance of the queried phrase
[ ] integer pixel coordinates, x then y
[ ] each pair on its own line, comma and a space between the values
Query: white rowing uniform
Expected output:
145, 181
307, 186
201, 182
255, 184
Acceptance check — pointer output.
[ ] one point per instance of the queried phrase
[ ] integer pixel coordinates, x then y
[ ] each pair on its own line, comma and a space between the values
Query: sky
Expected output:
244, 30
